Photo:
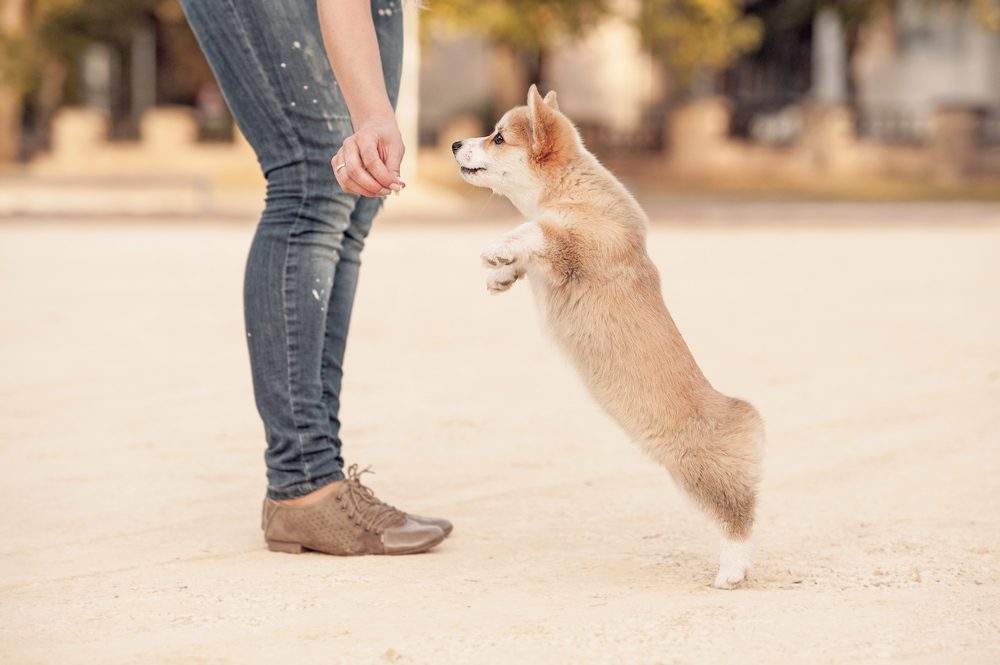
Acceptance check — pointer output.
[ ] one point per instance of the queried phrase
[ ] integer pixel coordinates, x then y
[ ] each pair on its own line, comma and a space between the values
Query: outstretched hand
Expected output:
368, 161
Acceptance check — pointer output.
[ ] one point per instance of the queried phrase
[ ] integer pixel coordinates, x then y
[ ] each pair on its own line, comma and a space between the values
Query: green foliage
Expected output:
60, 30
19, 62
519, 24
988, 13
853, 13
65, 27
692, 36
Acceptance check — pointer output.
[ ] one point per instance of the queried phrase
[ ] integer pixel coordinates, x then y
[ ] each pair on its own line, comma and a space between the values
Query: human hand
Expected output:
368, 161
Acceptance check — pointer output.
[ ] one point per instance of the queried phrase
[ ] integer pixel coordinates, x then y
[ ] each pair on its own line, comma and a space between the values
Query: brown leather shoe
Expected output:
348, 522
353, 475
439, 522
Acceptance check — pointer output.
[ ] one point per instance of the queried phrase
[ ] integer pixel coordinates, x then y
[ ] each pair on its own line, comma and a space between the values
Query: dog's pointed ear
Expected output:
544, 125
534, 100
534, 97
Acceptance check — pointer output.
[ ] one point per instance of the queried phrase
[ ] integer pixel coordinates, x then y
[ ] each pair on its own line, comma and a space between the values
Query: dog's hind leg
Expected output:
721, 473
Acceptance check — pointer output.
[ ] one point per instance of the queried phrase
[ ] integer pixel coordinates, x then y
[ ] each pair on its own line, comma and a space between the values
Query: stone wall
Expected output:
827, 147
169, 149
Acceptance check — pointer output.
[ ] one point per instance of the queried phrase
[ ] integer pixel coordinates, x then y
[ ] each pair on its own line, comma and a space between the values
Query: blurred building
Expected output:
895, 71
610, 87
924, 57
911, 91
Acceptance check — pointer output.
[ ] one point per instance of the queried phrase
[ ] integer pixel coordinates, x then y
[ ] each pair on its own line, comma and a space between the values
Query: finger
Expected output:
357, 172
352, 187
341, 172
343, 179
394, 159
368, 149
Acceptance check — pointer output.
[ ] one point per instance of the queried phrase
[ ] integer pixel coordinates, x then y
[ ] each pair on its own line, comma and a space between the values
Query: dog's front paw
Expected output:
500, 279
502, 252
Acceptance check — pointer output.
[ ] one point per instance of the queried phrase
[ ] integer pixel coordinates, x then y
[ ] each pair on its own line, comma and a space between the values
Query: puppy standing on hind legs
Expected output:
583, 249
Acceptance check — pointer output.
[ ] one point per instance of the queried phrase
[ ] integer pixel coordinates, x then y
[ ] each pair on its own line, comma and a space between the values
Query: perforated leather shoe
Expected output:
350, 521
439, 522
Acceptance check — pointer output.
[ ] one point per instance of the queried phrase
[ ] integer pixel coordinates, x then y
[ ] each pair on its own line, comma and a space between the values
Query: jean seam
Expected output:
288, 311
287, 308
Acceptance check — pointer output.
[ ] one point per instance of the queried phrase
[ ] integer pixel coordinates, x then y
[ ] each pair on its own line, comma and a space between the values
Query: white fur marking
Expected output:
500, 279
516, 247
735, 560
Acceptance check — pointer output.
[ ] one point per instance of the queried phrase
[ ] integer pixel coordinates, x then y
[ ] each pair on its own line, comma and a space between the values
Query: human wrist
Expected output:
376, 114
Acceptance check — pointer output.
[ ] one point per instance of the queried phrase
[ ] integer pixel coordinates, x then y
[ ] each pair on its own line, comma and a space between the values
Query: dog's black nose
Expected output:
455, 146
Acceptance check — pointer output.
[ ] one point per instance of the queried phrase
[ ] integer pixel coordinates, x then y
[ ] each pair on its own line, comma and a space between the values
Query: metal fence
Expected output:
893, 125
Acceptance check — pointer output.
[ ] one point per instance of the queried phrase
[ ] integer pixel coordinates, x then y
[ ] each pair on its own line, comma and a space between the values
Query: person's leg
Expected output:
270, 63
388, 18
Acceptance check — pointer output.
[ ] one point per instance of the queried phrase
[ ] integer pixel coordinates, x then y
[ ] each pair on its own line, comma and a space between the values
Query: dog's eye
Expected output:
498, 139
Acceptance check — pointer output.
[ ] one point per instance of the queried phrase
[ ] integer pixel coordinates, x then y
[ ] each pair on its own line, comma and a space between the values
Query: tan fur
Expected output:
583, 250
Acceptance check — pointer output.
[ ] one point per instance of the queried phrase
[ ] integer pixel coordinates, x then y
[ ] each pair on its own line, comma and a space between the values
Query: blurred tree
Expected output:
528, 29
39, 57
856, 12
14, 77
697, 39
988, 12
853, 13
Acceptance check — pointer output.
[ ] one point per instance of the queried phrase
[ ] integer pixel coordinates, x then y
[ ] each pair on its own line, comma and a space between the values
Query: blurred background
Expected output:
849, 99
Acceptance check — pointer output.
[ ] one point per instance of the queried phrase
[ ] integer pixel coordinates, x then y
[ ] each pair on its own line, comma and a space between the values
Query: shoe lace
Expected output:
364, 507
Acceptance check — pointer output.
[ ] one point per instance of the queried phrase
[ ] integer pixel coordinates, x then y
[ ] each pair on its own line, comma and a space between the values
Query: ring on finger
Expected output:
337, 168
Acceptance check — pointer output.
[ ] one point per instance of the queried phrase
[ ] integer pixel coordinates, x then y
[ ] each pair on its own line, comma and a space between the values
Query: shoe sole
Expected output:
299, 548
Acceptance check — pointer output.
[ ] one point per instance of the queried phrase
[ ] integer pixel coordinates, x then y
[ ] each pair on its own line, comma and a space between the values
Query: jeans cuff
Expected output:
301, 489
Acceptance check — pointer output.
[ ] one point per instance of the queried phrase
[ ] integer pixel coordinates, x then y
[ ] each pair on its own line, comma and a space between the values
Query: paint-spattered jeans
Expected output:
301, 275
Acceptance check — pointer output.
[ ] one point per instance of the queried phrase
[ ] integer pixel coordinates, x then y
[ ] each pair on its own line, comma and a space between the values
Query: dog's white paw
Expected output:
502, 252
500, 279
735, 560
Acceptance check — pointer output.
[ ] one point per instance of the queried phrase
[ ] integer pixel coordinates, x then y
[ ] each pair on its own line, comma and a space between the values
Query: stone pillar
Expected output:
98, 72
698, 134
828, 139
953, 142
77, 134
168, 130
143, 70
829, 58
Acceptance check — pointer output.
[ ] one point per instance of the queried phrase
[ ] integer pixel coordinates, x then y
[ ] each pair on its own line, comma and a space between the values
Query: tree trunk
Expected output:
11, 107
10, 123
534, 66
507, 80
47, 100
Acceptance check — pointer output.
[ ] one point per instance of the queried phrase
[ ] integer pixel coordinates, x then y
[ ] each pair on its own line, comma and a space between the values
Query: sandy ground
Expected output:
131, 457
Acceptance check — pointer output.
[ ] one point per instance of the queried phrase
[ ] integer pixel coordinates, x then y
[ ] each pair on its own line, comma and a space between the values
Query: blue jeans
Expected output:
302, 272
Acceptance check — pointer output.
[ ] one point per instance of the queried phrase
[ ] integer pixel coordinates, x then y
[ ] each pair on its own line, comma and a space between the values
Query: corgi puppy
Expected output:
583, 250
